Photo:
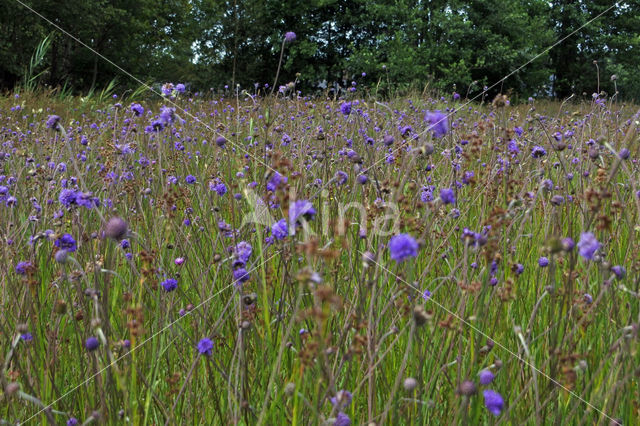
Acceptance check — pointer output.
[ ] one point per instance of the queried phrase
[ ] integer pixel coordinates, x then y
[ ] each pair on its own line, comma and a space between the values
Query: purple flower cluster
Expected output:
402, 247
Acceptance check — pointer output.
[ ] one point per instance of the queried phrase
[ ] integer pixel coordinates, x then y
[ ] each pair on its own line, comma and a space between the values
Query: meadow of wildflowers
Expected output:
276, 259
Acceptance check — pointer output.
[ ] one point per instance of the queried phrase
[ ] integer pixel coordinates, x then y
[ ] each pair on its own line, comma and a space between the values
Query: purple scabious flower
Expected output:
53, 122
342, 420
538, 151
220, 188
167, 114
169, 284
26, 337
167, 89
137, 109
388, 140
180, 88
68, 197
567, 244
493, 401
72, 421
91, 344
289, 36
362, 179
242, 251
403, 246
341, 177
345, 108
447, 196
588, 245
624, 154
240, 275
279, 229
23, 267
221, 141
486, 377
190, 179
301, 208
619, 271
543, 262
66, 242
342, 399
438, 123
275, 181
205, 346
519, 268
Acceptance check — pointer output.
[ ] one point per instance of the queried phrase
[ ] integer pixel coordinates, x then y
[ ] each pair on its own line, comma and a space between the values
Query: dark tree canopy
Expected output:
448, 45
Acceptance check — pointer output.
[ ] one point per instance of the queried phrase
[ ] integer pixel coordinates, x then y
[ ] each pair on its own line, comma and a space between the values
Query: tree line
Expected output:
449, 45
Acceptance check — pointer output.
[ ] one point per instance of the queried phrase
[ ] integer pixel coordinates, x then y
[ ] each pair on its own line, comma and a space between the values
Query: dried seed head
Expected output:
116, 228
289, 389
467, 388
11, 388
410, 384
420, 315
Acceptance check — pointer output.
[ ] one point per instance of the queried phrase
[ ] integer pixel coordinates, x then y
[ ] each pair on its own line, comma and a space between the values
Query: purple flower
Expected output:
72, 421
221, 141
588, 245
23, 267
190, 179
66, 242
169, 284
438, 123
180, 88
137, 109
67, 197
240, 275
342, 420
543, 262
53, 122
341, 177
538, 151
342, 399
301, 208
220, 188
403, 246
91, 344
289, 36
447, 196
493, 401
519, 268
619, 271
275, 181
486, 377
624, 154
167, 114
345, 108
279, 229
362, 179
205, 346
567, 244
387, 140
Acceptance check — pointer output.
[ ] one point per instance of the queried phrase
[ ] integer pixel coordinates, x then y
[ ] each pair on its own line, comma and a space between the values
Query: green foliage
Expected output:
30, 77
449, 45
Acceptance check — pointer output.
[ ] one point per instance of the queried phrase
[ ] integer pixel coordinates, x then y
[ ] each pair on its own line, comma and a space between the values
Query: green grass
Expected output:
535, 331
